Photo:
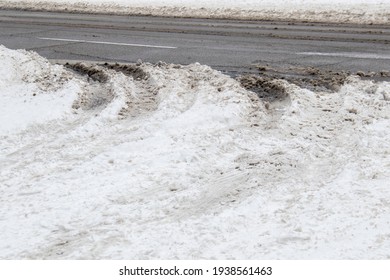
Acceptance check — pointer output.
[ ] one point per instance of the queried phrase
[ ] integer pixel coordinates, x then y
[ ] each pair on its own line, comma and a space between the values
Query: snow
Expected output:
28, 96
186, 164
346, 11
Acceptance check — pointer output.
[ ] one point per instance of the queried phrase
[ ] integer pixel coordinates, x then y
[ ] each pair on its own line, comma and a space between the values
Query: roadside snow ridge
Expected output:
180, 162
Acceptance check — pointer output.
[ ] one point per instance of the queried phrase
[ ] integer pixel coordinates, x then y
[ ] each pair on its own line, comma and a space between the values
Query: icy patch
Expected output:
182, 162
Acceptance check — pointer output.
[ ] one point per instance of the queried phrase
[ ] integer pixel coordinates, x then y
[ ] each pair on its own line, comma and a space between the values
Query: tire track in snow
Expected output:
161, 182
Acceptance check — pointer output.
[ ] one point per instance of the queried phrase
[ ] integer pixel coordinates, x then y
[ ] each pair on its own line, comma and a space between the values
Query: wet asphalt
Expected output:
229, 45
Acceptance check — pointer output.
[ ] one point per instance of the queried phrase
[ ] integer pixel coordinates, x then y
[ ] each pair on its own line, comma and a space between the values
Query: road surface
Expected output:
228, 45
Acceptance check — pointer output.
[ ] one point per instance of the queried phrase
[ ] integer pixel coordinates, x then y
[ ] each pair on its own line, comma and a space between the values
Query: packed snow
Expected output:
346, 11
181, 162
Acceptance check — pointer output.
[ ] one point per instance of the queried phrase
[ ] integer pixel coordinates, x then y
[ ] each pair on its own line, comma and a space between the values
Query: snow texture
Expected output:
338, 11
184, 163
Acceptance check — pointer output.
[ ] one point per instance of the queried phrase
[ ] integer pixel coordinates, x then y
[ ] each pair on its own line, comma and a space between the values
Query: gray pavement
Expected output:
233, 46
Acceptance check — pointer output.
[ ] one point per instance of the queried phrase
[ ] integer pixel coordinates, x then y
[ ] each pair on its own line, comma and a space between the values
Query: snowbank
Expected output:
169, 161
351, 11
32, 90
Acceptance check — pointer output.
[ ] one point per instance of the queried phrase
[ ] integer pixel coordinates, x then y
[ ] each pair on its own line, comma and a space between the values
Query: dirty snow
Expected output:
183, 163
346, 11
29, 98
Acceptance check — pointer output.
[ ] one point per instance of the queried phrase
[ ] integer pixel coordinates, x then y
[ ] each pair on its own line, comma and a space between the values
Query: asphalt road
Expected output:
233, 46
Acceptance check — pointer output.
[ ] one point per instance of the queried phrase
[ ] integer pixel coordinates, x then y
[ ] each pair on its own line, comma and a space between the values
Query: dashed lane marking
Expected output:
349, 55
106, 43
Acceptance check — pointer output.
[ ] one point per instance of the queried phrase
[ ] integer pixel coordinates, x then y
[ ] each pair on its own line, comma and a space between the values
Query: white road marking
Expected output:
349, 55
106, 43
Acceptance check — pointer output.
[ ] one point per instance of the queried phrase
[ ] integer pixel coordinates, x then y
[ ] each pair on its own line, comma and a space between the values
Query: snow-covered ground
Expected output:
350, 11
185, 163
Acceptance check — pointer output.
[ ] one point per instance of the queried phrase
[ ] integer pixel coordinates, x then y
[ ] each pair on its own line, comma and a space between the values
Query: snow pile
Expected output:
32, 90
169, 161
355, 11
